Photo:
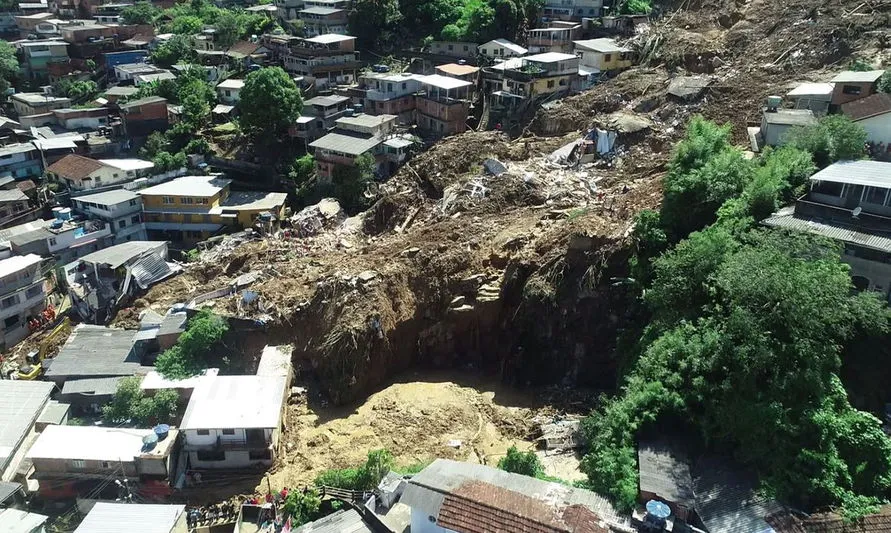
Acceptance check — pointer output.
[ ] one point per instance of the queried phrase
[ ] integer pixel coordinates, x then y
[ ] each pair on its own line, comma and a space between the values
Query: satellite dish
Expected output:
856, 212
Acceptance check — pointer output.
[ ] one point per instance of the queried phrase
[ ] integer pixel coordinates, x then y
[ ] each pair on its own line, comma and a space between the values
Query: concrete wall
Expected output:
420, 523
878, 274
878, 128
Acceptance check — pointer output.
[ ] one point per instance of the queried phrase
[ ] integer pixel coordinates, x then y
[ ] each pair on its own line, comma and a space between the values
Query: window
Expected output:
52, 241
106, 464
209, 455
551, 84
851, 89
875, 195
6, 303
11, 321
260, 455
186, 200
168, 199
78, 463
132, 203
134, 219
203, 432
466, 49
122, 224
389, 87
829, 188
34, 291
228, 432
607, 58
451, 47
115, 175
228, 93
404, 86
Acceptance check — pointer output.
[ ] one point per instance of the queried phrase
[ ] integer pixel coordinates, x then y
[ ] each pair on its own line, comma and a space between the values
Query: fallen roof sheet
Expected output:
21, 402
106, 517
8, 489
275, 361
18, 521
235, 402
119, 254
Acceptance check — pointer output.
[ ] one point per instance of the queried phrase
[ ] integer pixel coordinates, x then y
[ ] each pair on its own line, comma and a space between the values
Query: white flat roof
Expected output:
550, 57
241, 402
108, 517
812, 89
851, 76
17, 263
445, 82
869, 173
512, 46
16, 521
329, 38
231, 83
604, 45
189, 186
155, 381
89, 443
128, 164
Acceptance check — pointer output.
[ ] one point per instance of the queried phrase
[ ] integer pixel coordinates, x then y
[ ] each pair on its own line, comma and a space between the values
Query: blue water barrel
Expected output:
658, 509
162, 430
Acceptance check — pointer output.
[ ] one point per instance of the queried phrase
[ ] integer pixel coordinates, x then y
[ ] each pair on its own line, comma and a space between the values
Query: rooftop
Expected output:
95, 351
231, 83
17, 521
155, 381
604, 45
154, 76
365, 120
275, 361
21, 402
454, 69
18, 148
75, 167
864, 172
326, 101
852, 76
786, 219
790, 117
727, 499
21, 229
342, 521
235, 402
144, 101
96, 443
137, 68
871, 106
17, 263
107, 517
128, 164
513, 47
665, 473
122, 90
444, 82
92, 386
454, 490
320, 11
12, 195
119, 254
38, 98
812, 89
550, 57
345, 144
112, 197
330, 38
199, 186
252, 201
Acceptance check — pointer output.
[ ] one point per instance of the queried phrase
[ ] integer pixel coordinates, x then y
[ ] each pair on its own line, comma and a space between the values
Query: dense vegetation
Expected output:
130, 404
744, 329
9, 66
188, 357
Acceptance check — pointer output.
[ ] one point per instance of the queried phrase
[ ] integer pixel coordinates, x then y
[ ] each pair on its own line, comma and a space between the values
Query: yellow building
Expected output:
194, 208
603, 55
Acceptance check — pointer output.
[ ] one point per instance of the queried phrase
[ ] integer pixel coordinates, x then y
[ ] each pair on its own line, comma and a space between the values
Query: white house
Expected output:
22, 296
82, 173
501, 48
603, 54
234, 421
229, 91
120, 208
874, 114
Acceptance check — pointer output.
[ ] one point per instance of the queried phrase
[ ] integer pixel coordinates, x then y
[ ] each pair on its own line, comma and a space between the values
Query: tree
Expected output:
154, 144
188, 357
9, 66
129, 403
884, 84
302, 506
179, 48
302, 169
365, 477
375, 22
186, 25
833, 138
139, 13
228, 30
517, 462
77, 90
635, 7
270, 102
350, 182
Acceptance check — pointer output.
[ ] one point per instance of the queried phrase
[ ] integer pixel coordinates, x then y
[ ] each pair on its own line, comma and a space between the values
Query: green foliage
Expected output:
780, 178
636, 7
193, 255
177, 49
470, 20
884, 84
302, 170
9, 66
189, 356
130, 403
860, 65
350, 182
186, 25
227, 30
366, 477
302, 506
833, 138
163, 88
270, 102
375, 23
139, 13
77, 90
165, 161
197, 146
517, 462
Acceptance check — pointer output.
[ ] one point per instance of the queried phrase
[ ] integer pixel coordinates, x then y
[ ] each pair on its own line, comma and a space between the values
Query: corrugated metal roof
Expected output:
852, 76
21, 402
113, 197
345, 144
8, 489
235, 402
726, 498
326, 101
864, 172
95, 351
787, 220
119, 254
427, 490
603, 45
665, 472
130, 517
16, 521
92, 386
149, 270
343, 521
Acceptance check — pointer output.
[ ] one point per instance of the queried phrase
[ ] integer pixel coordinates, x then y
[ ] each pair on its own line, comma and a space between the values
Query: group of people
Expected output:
211, 514
44, 317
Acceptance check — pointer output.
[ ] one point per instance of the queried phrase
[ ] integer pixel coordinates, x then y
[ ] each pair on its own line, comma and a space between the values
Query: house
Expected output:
456, 49
10, 232
193, 208
501, 49
319, 20
776, 123
234, 421
36, 103
119, 208
354, 136
459, 72
126, 72
443, 105
161, 332
63, 239
319, 115
603, 55
144, 116
38, 55
555, 38
228, 91
94, 352
153, 77
853, 85
20, 161
21, 403
472, 498
22, 297
327, 60
81, 173
18, 521
849, 202
727, 498
147, 518
70, 119
288, 10
568, 10
338, 522
522, 82
113, 59
388, 94
874, 114
829, 522
814, 96
15, 208
29, 24
664, 473
101, 281
76, 461
87, 396
366, 125
119, 92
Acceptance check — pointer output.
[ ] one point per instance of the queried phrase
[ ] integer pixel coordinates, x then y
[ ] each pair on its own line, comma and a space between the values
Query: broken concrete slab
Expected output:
688, 88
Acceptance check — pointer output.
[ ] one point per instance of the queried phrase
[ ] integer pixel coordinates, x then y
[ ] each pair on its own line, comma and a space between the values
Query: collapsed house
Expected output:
99, 282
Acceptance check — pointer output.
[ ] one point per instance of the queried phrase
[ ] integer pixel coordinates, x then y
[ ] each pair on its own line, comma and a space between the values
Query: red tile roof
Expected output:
876, 104
478, 507
75, 167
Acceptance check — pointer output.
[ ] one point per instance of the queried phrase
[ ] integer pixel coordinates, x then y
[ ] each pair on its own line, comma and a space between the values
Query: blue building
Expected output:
113, 59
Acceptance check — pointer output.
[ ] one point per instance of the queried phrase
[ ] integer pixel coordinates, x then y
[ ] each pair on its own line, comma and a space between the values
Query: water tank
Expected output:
773, 102
149, 442
358, 108
56, 224
161, 431
65, 214
56, 213
348, 112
